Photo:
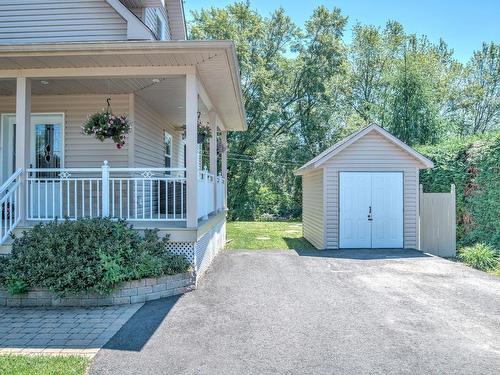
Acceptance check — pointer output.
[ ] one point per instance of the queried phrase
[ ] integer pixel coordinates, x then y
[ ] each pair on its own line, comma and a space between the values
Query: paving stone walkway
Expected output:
61, 330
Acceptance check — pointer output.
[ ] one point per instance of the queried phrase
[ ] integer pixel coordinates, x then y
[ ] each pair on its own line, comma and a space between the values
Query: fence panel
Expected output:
438, 223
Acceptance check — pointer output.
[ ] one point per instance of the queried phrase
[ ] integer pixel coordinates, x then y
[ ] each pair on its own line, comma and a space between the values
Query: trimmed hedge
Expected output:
473, 165
86, 255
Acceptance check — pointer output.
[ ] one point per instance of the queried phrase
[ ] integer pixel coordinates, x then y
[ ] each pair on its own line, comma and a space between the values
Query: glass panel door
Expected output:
47, 142
46, 152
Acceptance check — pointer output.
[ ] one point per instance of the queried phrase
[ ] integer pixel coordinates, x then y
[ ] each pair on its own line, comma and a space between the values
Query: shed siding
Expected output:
33, 21
80, 151
372, 153
149, 136
312, 203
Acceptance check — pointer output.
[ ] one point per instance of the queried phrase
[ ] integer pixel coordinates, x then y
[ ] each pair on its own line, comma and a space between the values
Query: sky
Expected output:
462, 24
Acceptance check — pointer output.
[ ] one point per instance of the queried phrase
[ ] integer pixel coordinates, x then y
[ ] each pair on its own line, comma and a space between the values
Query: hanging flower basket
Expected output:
201, 138
204, 131
221, 147
104, 125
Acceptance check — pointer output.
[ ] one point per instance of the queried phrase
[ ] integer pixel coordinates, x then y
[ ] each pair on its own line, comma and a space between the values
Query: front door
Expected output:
371, 209
46, 152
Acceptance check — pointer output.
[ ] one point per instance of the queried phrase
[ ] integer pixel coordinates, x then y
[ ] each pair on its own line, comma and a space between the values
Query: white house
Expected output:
60, 60
363, 192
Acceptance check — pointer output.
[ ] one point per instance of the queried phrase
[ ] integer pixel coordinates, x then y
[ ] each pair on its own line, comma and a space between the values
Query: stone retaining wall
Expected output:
128, 292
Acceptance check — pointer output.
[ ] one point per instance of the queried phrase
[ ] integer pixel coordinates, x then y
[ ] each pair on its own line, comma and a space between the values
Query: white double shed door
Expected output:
371, 210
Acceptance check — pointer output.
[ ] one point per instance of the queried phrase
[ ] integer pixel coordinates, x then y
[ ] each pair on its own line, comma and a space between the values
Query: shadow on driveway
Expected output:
364, 254
139, 329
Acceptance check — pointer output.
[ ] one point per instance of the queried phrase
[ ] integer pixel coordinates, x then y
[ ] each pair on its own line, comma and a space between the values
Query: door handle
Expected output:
370, 218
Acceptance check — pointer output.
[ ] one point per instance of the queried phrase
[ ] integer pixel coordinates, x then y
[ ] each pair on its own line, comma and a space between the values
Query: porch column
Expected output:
191, 151
212, 118
23, 132
224, 167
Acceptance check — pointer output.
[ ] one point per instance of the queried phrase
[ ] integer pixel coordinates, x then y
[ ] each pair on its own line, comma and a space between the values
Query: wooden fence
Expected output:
438, 223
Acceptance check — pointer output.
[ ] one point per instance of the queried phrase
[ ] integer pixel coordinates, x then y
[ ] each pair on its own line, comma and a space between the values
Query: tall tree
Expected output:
285, 73
304, 88
477, 103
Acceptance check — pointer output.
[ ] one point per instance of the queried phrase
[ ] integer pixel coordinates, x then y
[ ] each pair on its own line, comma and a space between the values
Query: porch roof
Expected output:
214, 61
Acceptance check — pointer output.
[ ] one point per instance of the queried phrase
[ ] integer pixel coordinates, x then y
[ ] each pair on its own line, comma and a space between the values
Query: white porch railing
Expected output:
206, 186
9, 200
220, 193
144, 194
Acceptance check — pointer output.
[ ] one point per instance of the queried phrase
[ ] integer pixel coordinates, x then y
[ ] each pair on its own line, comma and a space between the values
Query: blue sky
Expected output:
464, 25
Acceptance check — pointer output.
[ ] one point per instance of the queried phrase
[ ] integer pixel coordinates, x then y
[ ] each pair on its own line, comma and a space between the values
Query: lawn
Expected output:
254, 235
43, 365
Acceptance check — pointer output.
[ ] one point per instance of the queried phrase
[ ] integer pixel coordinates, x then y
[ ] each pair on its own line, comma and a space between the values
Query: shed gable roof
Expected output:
346, 142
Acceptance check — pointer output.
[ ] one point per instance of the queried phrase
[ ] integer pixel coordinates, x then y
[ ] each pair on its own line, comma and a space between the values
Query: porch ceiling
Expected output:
166, 97
214, 60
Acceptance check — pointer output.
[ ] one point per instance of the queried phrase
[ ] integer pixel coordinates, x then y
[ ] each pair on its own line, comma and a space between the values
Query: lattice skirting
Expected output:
209, 246
201, 253
182, 248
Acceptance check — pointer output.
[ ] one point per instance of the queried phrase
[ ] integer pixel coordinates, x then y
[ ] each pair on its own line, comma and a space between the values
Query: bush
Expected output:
86, 255
479, 256
473, 165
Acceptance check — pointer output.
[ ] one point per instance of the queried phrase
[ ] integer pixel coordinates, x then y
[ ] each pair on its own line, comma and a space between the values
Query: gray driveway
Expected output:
341, 312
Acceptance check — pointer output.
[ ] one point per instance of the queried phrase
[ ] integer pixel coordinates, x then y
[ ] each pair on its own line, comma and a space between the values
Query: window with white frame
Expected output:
168, 150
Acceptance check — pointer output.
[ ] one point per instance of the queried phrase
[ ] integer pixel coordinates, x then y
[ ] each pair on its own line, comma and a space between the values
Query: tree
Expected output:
304, 89
285, 73
477, 104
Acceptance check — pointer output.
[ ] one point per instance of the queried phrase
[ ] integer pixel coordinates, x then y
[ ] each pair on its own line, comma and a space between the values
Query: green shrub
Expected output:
3, 265
86, 255
473, 165
480, 256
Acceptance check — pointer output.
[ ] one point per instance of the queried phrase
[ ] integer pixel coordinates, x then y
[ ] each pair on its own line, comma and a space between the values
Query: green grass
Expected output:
255, 235
43, 365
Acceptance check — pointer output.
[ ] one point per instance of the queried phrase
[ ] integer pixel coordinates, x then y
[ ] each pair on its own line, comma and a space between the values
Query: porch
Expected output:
162, 178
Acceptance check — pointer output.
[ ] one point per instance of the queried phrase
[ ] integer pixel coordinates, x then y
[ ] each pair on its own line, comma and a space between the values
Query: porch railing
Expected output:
206, 186
143, 194
207, 201
220, 193
9, 209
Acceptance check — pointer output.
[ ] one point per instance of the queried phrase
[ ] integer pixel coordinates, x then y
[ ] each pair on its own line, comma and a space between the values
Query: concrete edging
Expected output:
136, 291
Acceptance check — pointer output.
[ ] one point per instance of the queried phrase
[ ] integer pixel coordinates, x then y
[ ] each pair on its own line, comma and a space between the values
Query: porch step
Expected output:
6, 247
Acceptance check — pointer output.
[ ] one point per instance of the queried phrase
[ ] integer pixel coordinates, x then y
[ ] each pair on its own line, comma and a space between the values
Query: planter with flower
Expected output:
221, 147
105, 124
204, 132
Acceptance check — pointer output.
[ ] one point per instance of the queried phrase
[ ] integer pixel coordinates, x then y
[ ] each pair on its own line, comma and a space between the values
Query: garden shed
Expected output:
363, 192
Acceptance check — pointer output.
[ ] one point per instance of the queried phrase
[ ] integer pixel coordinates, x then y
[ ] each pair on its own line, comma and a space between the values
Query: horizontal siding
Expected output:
312, 208
33, 21
148, 133
372, 153
151, 21
80, 150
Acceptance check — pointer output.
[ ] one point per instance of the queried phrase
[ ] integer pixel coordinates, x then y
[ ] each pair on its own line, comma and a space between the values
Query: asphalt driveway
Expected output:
338, 312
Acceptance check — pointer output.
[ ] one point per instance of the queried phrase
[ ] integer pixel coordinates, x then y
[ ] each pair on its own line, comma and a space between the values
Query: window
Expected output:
168, 150
160, 27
